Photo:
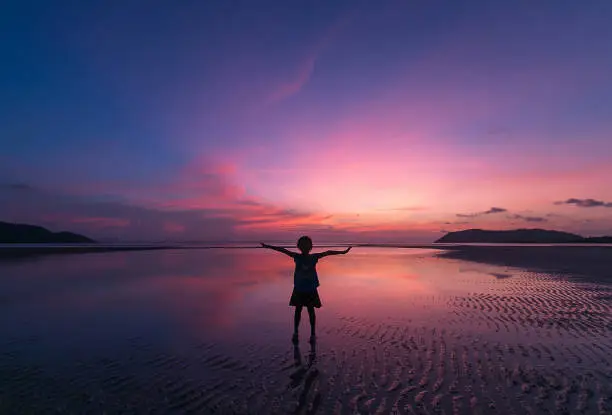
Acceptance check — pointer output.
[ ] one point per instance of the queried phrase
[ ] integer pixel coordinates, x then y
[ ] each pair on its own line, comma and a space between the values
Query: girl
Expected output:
305, 281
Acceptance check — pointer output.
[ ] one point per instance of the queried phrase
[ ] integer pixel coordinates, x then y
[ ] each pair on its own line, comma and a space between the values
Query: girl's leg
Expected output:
296, 318
313, 320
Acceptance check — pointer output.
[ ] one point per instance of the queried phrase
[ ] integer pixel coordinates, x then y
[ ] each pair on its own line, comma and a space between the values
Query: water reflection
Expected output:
304, 377
312, 355
215, 290
227, 293
213, 327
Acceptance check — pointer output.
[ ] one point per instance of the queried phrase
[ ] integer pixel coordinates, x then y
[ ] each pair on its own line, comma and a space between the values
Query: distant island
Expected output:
541, 236
12, 233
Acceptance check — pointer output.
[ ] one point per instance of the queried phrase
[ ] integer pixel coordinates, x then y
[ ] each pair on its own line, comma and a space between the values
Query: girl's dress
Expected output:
305, 282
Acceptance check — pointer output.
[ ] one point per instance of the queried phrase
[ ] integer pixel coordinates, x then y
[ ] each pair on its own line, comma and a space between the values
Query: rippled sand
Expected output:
201, 332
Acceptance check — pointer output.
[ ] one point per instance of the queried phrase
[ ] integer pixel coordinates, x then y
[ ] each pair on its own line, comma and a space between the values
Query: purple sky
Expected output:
346, 120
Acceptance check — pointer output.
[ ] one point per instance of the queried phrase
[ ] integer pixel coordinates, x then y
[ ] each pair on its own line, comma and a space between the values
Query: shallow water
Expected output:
200, 331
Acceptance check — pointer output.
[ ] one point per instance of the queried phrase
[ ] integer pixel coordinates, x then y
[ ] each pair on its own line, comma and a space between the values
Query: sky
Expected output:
385, 121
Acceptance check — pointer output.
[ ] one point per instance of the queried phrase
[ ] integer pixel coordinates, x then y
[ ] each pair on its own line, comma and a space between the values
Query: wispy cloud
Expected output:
528, 218
301, 78
113, 219
585, 203
307, 65
491, 211
204, 204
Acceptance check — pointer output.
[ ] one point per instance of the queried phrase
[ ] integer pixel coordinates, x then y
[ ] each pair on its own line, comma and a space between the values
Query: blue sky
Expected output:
347, 119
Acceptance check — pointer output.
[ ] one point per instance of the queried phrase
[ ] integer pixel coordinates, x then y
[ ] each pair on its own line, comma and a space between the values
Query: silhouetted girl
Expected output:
305, 281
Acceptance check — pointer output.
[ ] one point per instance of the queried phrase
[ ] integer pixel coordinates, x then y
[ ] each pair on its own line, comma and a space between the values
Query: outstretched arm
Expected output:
279, 249
330, 252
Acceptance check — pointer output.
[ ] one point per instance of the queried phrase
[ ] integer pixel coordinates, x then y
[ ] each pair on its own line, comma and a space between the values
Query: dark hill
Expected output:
11, 233
511, 236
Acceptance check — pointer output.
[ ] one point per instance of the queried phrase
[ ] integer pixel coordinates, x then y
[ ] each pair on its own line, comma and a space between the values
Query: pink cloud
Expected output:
205, 183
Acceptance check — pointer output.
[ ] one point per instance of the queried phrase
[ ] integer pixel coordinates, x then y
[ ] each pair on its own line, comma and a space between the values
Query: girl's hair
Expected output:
304, 244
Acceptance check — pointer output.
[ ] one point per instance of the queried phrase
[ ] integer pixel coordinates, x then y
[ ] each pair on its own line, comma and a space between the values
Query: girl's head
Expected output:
304, 244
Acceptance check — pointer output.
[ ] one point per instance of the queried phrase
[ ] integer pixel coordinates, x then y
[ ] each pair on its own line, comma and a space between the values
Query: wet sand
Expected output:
400, 331
590, 262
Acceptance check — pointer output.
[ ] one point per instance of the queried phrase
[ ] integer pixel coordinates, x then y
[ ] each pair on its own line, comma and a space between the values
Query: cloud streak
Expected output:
217, 215
303, 75
529, 218
491, 211
307, 66
114, 220
585, 203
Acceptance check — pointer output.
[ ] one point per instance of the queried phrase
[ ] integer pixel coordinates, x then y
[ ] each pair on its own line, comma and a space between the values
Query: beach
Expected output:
584, 262
511, 330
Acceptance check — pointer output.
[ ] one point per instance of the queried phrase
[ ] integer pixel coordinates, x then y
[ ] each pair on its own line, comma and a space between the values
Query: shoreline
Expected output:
9, 251
580, 259
26, 251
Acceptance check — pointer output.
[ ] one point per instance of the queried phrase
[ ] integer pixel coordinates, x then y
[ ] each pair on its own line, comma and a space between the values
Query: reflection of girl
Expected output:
305, 281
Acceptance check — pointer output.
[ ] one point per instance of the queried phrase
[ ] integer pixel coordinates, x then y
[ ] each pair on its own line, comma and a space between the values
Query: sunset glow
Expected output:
382, 121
